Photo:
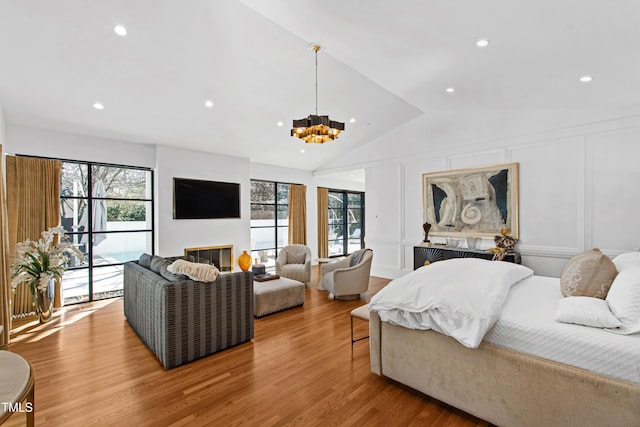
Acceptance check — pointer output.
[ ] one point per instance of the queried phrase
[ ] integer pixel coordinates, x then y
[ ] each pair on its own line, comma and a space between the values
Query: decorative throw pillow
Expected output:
588, 274
145, 261
296, 257
586, 311
156, 263
625, 260
195, 270
624, 300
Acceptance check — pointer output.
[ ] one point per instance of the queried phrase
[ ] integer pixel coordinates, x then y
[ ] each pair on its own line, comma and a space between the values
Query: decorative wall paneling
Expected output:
578, 189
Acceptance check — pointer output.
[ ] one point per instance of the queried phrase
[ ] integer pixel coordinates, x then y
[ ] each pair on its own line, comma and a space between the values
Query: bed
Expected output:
516, 376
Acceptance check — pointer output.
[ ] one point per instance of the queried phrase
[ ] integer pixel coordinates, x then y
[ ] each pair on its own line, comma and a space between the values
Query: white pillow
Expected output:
195, 271
625, 260
624, 300
586, 311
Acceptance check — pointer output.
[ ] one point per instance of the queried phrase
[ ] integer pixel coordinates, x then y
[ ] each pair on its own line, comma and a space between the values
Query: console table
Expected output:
429, 254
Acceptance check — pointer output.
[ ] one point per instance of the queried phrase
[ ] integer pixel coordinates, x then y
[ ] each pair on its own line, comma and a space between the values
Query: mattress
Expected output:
526, 324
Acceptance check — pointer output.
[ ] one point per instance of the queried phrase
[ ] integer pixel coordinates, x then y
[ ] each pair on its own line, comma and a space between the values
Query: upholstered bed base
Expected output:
504, 387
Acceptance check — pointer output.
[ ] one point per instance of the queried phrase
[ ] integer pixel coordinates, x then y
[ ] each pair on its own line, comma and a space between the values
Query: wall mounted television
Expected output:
198, 199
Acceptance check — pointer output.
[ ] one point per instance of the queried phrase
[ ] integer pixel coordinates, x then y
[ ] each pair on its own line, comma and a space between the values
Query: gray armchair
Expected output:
348, 278
294, 262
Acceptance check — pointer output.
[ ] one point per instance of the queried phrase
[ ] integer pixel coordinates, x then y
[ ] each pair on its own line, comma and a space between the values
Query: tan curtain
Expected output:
297, 214
33, 202
5, 278
323, 222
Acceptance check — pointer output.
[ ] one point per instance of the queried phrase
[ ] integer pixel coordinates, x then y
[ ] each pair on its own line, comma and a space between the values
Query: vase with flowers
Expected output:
38, 264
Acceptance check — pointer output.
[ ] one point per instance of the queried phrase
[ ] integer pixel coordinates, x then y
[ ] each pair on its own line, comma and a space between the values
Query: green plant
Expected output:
126, 211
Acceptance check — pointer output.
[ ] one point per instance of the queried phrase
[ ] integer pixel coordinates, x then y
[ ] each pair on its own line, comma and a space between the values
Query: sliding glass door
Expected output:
269, 220
108, 212
346, 222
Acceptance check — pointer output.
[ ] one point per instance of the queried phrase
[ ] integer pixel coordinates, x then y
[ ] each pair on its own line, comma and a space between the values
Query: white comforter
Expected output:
460, 297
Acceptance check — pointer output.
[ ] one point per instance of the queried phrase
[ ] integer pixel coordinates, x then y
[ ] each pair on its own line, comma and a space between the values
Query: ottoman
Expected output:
276, 295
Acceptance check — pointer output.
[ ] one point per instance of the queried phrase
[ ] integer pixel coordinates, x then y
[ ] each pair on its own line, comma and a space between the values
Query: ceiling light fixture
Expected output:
316, 129
586, 79
98, 106
352, 120
208, 103
482, 43
120, 30
450, 90
280, 124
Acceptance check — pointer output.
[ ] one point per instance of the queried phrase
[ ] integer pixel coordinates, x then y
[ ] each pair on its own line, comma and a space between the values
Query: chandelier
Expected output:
316, 129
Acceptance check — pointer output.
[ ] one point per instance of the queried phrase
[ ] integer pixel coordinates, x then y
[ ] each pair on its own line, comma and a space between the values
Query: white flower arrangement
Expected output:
36, 263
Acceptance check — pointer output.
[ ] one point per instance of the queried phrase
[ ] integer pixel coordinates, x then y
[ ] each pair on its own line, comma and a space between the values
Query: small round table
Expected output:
323, 261
16, 387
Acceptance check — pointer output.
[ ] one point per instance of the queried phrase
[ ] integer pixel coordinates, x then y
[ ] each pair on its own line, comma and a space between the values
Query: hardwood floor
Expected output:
92, 369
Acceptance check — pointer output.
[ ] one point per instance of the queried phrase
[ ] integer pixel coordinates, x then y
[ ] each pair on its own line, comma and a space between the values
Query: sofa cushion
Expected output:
588, 274
294, 257
156, 263
145, 261
172, 277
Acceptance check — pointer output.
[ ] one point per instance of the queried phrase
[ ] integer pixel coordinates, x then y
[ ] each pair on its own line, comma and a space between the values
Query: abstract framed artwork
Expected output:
477, 202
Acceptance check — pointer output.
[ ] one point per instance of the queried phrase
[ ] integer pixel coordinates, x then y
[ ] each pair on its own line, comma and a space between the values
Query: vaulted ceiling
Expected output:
384, 63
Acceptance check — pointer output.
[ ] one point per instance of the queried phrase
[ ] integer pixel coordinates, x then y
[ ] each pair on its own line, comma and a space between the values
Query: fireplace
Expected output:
220, 256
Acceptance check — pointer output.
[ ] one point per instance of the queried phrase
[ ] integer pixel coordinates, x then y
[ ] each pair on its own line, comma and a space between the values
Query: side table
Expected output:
16, 387
323, 261
428, 254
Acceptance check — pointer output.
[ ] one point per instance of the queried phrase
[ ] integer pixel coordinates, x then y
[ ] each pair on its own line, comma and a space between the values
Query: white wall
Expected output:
2, 129
384, 205
579, 188
62, 145
174, 235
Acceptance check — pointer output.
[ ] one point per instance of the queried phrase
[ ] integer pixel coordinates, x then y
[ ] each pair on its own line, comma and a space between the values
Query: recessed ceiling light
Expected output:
302, 151
585, 79
450, 90
352, 120
120, 30
208, 103
280, 124
482, 43
98, 106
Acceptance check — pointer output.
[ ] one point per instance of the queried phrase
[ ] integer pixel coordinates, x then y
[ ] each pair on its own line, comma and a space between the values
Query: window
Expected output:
346, 222
269, 220
107, 210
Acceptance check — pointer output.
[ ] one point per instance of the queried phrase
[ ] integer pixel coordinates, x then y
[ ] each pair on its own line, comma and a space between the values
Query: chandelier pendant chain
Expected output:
316, 48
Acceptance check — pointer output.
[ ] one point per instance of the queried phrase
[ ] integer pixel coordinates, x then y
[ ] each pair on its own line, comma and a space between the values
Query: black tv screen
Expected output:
197, 199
